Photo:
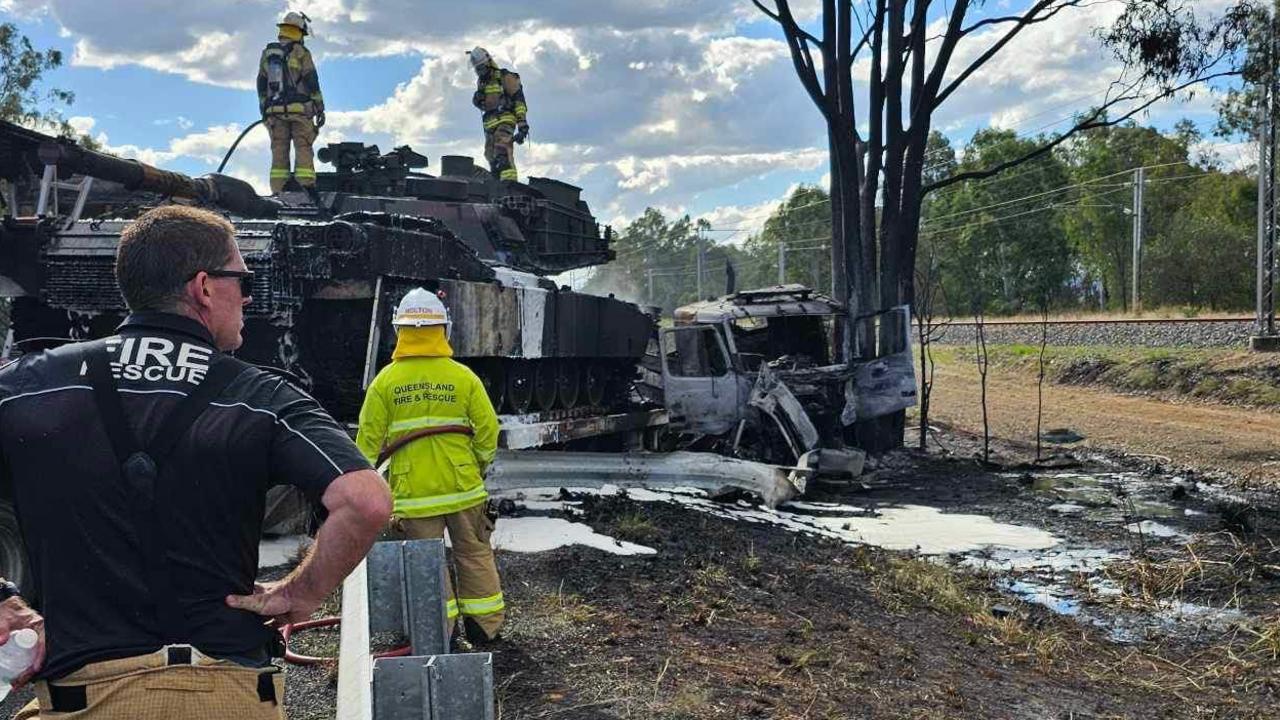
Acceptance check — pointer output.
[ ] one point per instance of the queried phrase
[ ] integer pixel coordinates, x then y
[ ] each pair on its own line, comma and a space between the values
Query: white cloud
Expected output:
743, 220
642, 102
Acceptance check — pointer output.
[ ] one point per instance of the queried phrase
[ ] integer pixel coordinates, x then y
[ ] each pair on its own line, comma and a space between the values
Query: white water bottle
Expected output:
16, 657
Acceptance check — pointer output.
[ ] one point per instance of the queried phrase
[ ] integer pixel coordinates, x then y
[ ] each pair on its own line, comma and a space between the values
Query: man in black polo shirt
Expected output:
139, 465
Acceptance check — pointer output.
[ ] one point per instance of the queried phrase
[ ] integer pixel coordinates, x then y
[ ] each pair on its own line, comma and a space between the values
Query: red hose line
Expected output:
290, 656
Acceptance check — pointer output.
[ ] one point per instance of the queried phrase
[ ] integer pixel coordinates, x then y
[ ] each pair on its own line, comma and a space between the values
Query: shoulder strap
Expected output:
139, 469
222, 371
98, 366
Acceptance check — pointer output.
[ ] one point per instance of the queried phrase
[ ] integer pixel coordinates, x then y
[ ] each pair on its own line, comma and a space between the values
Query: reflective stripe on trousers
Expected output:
479, 590
482, 606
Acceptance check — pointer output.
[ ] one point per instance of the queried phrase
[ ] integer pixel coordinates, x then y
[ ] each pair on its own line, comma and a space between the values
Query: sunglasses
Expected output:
246, 279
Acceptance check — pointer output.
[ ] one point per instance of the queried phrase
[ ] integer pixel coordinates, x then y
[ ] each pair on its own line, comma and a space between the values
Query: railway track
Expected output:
1201, 332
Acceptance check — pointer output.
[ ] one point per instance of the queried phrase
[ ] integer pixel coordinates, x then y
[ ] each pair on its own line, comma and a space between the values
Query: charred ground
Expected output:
733, 620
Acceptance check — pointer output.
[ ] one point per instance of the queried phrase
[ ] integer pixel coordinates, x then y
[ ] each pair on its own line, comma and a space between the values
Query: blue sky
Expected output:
690, 106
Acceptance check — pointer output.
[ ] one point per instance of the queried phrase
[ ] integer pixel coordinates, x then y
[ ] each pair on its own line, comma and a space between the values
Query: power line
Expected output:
1012, 216
1048, 192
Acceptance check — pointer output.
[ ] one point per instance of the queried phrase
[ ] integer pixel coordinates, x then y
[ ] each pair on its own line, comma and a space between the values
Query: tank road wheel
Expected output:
495, 383
568, 385
519, 385
594, 384
13, 555
544, 384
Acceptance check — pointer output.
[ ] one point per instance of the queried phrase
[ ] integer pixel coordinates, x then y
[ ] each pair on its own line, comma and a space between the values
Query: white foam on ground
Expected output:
1154, 529
540, 534
280, 551
933, 532
909, 527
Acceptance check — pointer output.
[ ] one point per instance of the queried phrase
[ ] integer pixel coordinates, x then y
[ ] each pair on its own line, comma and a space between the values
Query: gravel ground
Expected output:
1170, 333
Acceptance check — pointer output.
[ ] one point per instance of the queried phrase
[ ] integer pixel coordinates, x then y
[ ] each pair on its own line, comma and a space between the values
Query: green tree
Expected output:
802, 225
1204, 256
1100, 221
21, 69
1000, 246
654, 249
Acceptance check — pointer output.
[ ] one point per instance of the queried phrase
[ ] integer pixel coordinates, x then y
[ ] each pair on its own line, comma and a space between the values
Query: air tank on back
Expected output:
331, 264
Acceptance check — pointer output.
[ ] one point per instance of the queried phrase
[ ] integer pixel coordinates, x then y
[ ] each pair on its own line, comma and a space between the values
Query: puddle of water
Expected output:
1096, 496
1147, 508
539, 534
1174, 616
1051, 562
1150, 528
1034, 564
932, 532
909, 527
280, 551
1042, 595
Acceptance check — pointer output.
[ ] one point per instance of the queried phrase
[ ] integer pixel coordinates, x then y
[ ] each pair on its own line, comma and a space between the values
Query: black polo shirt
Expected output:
77, 517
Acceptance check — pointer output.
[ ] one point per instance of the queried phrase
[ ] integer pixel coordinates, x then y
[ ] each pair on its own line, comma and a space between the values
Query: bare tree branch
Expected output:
949, 41
1094, 120
798, 42
789, 24
1023, 18
1028, 19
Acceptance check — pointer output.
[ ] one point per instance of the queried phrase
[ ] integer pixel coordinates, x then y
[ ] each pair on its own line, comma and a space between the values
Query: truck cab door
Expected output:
701, 387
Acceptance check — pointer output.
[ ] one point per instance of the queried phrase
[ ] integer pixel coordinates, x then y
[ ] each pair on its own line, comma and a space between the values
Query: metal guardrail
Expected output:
513, 470
400, 588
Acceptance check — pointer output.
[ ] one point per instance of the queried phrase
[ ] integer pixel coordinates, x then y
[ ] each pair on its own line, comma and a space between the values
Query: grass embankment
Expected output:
1228, 377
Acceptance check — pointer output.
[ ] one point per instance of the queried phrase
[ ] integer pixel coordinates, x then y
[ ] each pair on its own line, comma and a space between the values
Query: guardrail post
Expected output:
401, 588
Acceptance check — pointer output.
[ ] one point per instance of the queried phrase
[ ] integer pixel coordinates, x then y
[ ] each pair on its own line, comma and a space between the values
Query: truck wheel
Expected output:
13, 555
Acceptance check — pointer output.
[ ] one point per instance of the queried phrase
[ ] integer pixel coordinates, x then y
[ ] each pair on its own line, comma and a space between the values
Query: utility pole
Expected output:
1268, 105
702, 251
1139, 183
782, 262
649, 274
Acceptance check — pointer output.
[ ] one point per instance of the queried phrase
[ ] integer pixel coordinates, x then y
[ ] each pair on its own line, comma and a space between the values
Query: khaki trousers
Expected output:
145, 688
500, 151
479, 591
300, 131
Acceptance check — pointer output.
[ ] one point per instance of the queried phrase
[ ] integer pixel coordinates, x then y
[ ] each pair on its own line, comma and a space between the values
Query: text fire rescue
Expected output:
153, 359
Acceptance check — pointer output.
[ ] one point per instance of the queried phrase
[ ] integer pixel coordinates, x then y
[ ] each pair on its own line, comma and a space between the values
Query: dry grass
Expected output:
635, 527
1177, 312
1148, 582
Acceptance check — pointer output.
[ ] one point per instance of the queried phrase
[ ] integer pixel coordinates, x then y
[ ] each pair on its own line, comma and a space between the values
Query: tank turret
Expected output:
330, 264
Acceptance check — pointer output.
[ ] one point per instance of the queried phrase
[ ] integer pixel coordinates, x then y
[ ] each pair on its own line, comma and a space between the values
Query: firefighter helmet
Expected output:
298, 20
421, 308
480, 58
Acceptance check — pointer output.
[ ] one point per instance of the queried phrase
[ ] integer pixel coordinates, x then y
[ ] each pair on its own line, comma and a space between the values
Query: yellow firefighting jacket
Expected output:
422, 388
500, 98
301, 91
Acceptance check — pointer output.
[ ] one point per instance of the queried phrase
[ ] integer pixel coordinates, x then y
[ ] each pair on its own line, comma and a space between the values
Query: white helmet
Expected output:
479, 57
421, 308
298, 20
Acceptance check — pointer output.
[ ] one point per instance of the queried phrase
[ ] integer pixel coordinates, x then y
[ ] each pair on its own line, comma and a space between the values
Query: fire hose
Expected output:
235, 144
289, 630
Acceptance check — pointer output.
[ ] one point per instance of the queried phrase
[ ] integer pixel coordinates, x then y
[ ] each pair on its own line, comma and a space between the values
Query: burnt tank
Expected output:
331, 264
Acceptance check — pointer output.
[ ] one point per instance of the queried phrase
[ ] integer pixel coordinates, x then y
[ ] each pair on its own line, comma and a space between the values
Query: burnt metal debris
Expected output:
330, 265
750, 374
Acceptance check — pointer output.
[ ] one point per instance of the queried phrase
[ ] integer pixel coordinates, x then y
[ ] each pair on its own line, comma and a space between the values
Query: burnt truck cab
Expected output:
754, 369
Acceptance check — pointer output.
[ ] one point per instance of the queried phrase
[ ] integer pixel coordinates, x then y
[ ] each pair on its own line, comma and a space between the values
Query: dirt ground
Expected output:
732, 619
1240, 442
